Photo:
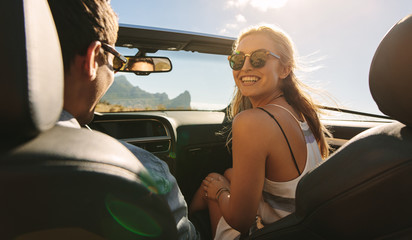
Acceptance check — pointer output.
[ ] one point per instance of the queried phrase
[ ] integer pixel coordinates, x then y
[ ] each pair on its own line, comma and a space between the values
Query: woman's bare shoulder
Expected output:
253, 121
250, 115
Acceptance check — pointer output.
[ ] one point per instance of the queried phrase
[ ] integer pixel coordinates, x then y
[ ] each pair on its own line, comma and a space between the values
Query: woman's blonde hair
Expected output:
290, 86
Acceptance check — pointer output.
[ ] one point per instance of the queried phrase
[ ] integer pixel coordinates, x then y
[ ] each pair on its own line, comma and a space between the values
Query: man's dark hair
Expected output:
80, 22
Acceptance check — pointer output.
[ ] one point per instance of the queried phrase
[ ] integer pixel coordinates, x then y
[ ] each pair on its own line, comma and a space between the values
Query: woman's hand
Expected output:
213, 183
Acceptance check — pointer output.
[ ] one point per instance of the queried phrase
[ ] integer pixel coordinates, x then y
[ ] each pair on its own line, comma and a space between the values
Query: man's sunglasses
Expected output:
257, 59
119, 60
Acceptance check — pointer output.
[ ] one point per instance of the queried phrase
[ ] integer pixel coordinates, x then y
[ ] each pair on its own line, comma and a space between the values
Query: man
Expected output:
88, 31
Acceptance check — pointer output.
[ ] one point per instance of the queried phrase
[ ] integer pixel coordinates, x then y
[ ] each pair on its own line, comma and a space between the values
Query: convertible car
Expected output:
68, 183
192, 141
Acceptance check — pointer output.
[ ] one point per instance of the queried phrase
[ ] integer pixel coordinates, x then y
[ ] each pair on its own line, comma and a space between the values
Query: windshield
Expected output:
340, 37
197, 82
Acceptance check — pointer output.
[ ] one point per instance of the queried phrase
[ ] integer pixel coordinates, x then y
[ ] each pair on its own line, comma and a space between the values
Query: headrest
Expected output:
390, 76
31, 66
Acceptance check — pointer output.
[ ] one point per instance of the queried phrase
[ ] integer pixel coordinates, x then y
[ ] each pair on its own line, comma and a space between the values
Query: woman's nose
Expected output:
246, 64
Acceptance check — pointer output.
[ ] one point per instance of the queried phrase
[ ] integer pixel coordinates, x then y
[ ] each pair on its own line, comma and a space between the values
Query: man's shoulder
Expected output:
148, 159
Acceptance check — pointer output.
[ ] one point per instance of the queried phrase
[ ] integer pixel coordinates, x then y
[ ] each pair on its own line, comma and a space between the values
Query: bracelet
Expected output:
220, 191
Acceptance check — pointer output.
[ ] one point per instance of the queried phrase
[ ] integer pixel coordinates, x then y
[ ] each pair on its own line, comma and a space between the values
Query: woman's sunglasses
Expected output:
257, 59
119, 60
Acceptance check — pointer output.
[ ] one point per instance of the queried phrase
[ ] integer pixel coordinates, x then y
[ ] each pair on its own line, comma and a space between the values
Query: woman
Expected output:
276, 138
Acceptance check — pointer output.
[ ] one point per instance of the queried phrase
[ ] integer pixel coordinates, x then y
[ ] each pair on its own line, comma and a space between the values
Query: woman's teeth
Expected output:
249, 79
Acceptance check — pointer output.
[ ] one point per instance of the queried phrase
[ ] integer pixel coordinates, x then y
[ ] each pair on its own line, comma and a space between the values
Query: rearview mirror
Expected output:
147, 65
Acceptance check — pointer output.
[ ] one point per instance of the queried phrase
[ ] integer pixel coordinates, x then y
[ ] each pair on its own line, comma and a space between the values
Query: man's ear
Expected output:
92, 55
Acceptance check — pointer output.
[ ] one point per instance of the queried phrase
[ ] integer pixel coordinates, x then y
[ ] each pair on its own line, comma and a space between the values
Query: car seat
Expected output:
364, 190
58, 182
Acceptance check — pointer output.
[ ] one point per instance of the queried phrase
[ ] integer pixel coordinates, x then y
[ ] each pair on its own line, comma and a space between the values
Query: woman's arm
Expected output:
239, 206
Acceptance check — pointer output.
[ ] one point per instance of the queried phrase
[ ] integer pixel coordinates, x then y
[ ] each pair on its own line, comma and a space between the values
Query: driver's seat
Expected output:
57, 182
364, 190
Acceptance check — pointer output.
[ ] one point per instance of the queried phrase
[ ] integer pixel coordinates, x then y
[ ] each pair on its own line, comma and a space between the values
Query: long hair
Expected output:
290, 86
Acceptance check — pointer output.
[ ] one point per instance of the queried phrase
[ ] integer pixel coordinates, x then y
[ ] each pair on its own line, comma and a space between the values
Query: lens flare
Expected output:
132, 218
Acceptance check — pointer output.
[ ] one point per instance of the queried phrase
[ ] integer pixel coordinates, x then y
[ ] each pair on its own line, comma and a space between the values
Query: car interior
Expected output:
58, 182
63, 183
344, 198
193, 143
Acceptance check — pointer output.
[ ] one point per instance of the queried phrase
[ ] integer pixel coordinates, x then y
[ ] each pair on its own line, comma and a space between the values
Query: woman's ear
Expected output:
91, 61
285, 72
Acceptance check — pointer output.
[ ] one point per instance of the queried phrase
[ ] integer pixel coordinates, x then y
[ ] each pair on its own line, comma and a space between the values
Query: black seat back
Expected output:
31, 72
57, 182
364, 190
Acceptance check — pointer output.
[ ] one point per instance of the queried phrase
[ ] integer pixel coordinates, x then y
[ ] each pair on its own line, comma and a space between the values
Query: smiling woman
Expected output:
269, 158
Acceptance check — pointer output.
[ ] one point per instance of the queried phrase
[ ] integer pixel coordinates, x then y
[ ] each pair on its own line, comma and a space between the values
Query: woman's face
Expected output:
260, 85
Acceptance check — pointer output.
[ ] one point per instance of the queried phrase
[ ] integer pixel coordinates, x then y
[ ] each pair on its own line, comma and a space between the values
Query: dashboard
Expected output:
193, 143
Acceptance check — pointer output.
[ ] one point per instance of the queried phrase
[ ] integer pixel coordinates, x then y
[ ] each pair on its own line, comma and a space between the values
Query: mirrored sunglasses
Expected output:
257, 58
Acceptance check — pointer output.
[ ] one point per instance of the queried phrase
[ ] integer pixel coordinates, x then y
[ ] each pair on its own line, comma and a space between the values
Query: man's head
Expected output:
141, 64
83, 26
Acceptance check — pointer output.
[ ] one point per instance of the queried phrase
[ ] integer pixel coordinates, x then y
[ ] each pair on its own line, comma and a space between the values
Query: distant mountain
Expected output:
122, 92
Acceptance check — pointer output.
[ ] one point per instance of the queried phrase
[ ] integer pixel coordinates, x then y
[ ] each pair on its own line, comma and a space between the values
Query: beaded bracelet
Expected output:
219, 192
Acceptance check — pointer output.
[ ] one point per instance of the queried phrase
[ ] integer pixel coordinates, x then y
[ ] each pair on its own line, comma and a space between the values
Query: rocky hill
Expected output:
122, 92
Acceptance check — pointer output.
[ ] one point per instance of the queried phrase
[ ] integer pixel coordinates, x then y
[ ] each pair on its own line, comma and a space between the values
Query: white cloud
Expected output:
237, 3
223, 31
240, 18
229, 27
262, 5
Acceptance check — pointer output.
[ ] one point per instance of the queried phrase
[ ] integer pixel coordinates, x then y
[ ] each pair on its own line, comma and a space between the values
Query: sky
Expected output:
339, 36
